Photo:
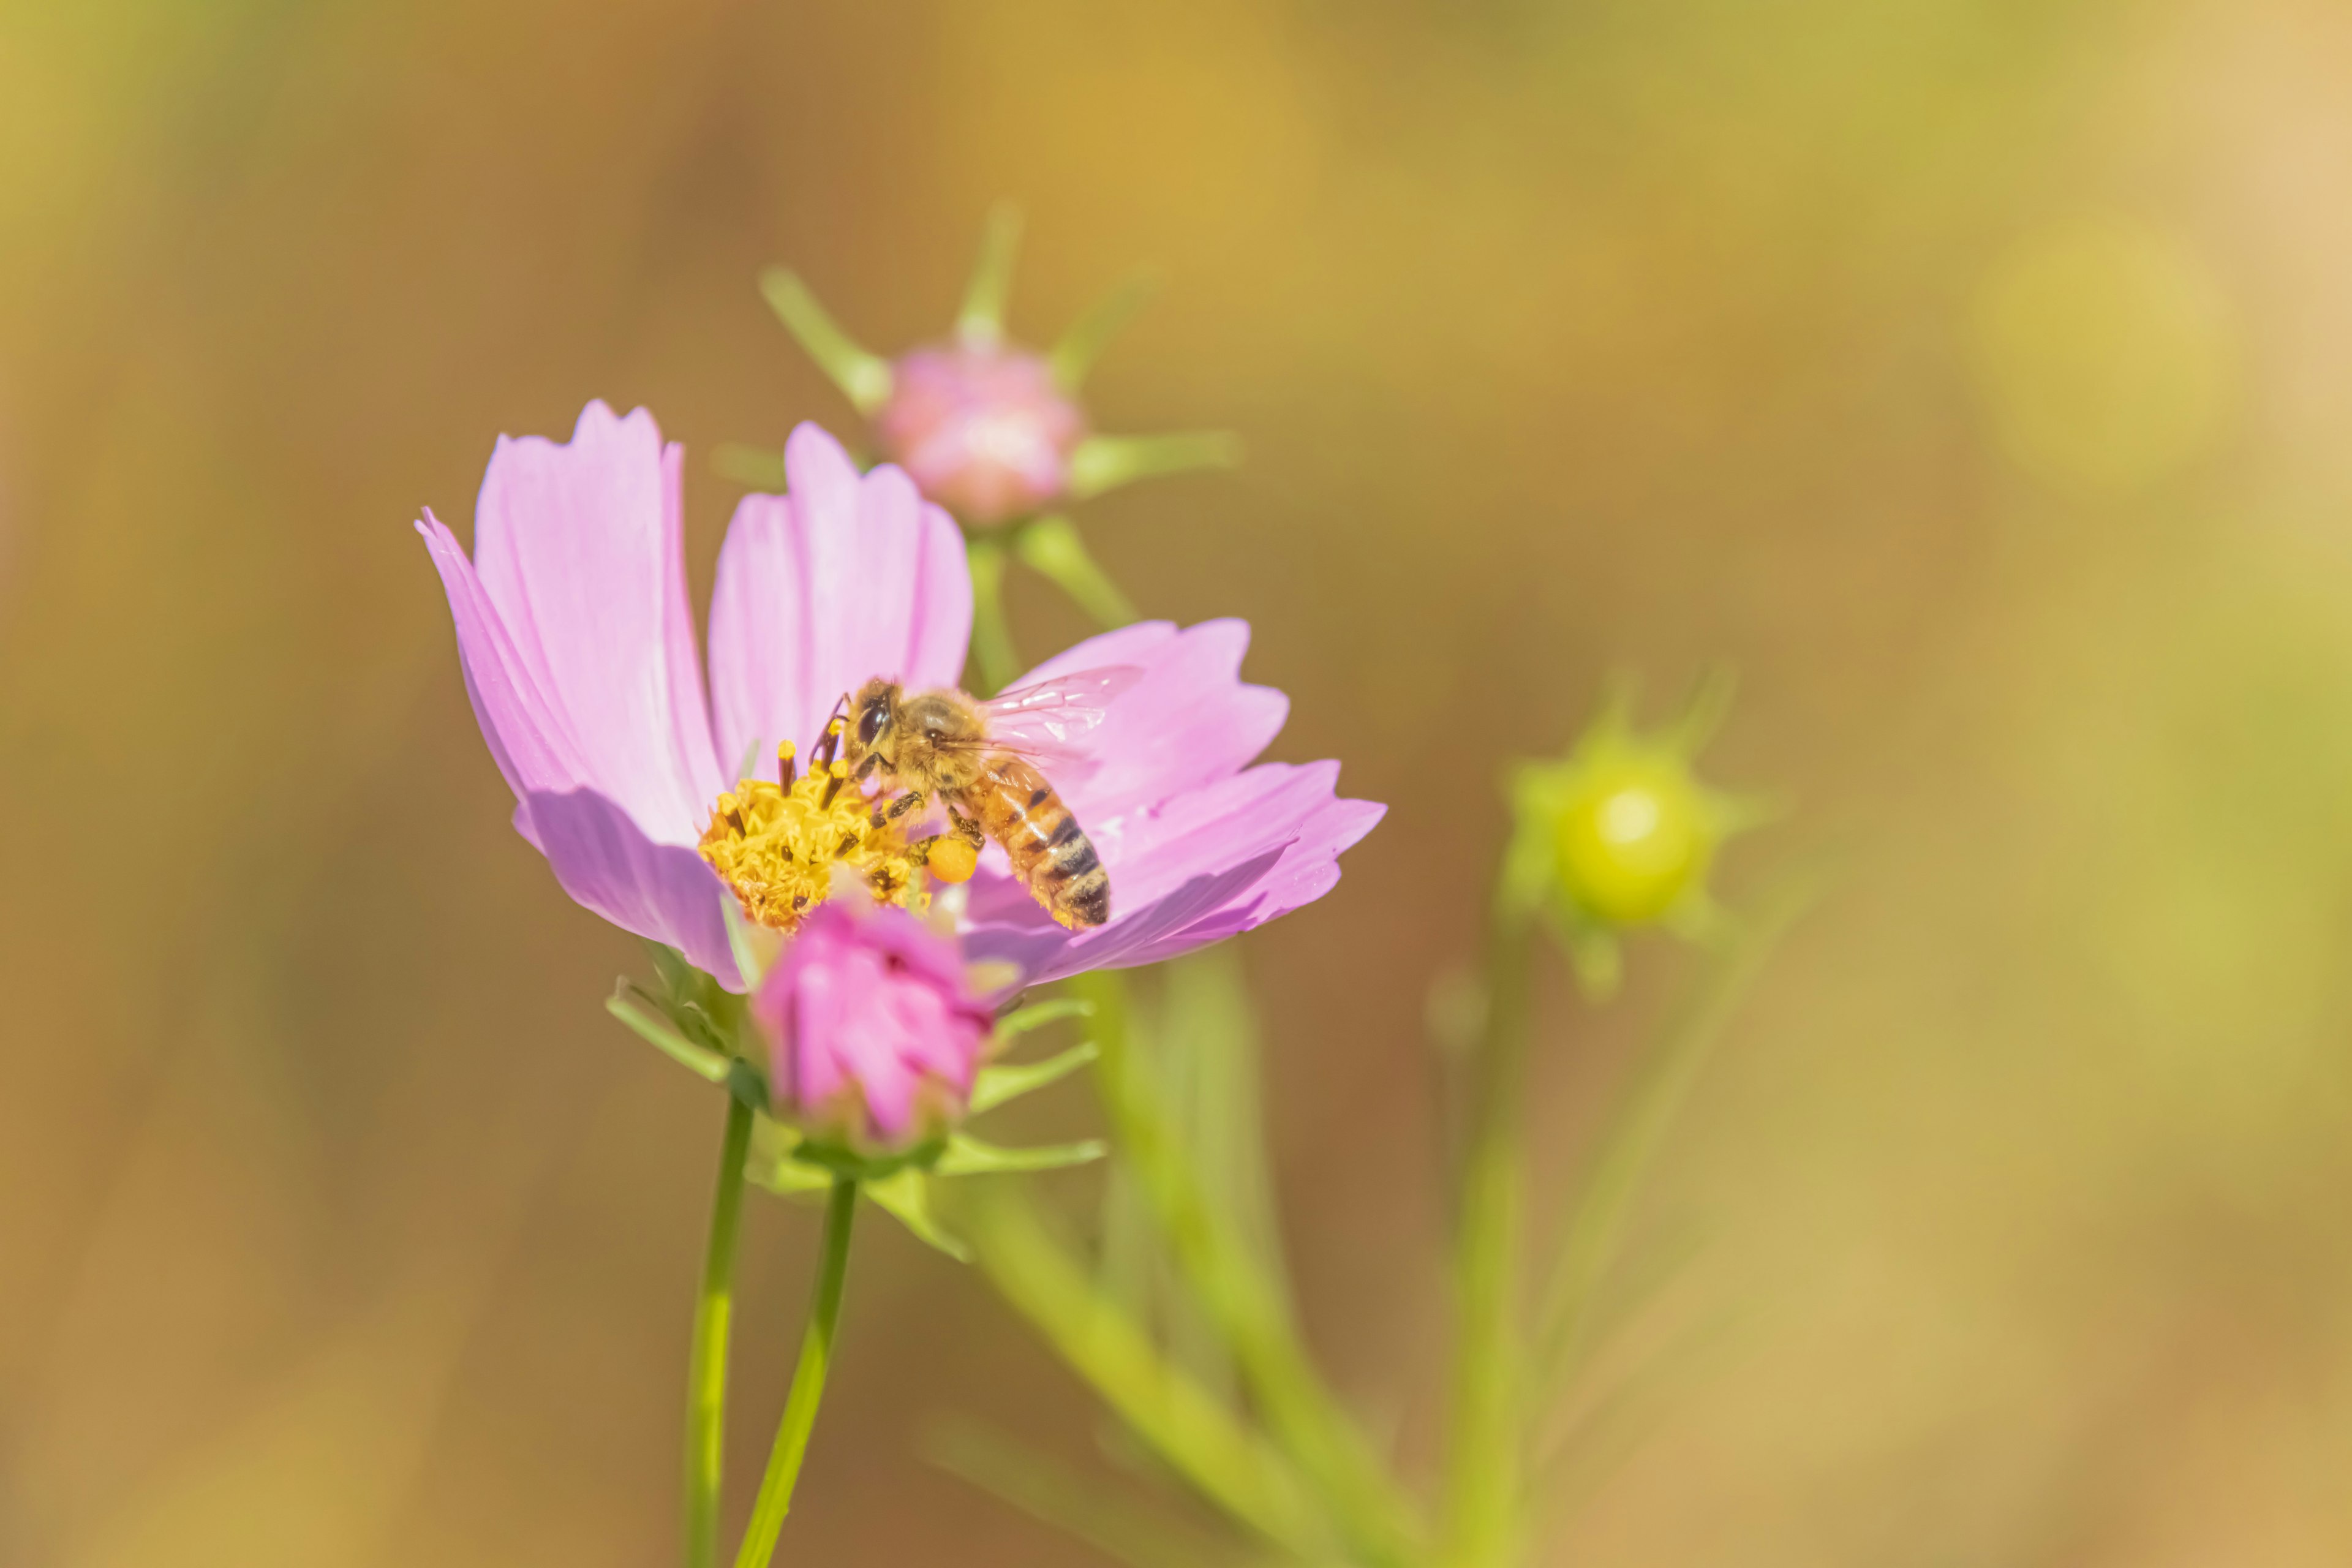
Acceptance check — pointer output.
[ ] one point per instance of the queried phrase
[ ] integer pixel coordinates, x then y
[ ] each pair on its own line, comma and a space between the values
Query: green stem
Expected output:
1596, 1218
775, 1499
1050, 547
991, 632
1103, 1343
1483, 1459
706, 1380
1248, 1309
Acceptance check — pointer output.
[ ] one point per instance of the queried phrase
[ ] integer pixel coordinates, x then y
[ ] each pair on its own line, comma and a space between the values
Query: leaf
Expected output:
907, 1196
996, 1085
655, 1030
968, 1156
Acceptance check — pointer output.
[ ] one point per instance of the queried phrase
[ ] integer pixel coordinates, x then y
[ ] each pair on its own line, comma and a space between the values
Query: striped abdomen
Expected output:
1016, 806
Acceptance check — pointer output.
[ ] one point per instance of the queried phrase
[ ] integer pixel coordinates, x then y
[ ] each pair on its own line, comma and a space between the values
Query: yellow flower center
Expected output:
777, 846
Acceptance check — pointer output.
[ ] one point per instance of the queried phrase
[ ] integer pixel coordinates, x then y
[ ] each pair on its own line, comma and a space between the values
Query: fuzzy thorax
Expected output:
778, 845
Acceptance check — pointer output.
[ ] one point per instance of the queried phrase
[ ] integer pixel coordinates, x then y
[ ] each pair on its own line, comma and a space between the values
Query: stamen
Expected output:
775, 845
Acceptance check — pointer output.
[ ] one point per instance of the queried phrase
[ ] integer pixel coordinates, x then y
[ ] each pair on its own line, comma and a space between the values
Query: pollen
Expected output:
778, 845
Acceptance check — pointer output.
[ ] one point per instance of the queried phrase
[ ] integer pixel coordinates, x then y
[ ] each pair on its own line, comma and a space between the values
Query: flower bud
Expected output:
1635, 837
874, 1030
982, 428
1621, 832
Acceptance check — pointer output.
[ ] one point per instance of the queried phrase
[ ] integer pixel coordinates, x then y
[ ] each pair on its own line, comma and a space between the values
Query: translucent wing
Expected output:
1043, 718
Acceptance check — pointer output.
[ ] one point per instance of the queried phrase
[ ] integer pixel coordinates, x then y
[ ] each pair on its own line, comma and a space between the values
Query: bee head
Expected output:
871, 713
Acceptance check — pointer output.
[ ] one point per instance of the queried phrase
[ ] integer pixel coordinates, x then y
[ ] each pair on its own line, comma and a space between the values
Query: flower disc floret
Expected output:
778, 847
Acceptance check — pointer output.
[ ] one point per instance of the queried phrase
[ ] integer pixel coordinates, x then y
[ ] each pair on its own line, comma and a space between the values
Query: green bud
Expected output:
1635, 837
1622, 832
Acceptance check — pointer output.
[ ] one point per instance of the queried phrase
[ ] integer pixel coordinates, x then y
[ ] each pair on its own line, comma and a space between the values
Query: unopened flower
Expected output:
874, 1028
989, 429
578, 647
1622, 832
982, 428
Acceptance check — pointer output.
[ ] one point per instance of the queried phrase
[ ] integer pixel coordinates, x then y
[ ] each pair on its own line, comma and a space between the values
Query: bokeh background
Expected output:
1974, 375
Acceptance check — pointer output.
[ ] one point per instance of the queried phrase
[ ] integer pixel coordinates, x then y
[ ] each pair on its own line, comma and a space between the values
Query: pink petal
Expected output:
579, 548
841, 579
1190, 721
1216, 861
525, 732
608, 865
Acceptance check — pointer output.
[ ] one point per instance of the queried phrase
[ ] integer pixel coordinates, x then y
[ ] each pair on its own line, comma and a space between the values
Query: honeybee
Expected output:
979, 759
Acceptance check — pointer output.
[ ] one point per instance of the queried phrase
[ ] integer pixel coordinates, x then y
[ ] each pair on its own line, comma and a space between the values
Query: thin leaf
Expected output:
1046, 1491
968, 1156
1223, 1459
1010, 1080
1595, 1220
656, 1031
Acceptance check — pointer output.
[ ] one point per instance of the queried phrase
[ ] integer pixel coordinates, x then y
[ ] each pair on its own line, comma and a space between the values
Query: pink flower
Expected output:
982, 428
874, 1032
578, 649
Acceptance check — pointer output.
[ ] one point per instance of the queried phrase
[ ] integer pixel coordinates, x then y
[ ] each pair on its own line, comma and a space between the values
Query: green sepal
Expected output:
980, 324
754, 467
997, 1085
1101, 463
688, 1017
1038, 1015
863, 378
1050, 547
643, 1014
1074, 353
968, 1156
865, 1165
772, 1163
907, 1196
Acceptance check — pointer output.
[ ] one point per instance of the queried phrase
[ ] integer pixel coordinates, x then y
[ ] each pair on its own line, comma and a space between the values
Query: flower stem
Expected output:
1595, 1219
775, 1499
1050, 545
1247, 1308
1190, 1427
1483, 1459
991, 632
706, 1378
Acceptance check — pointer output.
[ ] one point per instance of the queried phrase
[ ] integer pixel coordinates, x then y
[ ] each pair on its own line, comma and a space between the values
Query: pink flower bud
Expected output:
874, 1031
982, 430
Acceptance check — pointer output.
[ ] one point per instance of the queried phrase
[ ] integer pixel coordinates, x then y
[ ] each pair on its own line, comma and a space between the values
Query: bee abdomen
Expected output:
1050, 852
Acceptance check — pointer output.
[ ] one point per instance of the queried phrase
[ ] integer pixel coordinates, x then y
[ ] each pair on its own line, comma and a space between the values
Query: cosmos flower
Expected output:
577, 644
874, 1032
981, 428
993, 430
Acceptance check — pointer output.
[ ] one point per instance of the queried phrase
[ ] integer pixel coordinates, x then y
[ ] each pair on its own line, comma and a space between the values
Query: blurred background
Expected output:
1974, 375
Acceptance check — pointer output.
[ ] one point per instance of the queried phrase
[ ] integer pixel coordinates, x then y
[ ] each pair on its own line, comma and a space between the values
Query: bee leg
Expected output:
897, 808
964, 828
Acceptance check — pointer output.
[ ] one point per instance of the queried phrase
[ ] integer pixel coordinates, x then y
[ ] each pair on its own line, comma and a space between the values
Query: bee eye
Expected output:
869, 724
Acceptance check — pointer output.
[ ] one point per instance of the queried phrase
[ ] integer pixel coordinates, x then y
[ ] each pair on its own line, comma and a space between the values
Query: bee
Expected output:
979, 759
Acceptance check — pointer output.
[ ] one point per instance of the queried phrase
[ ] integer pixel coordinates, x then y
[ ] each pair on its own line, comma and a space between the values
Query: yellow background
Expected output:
1975, 376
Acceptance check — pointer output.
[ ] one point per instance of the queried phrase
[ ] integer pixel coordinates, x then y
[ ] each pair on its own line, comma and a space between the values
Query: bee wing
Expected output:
1041, 719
